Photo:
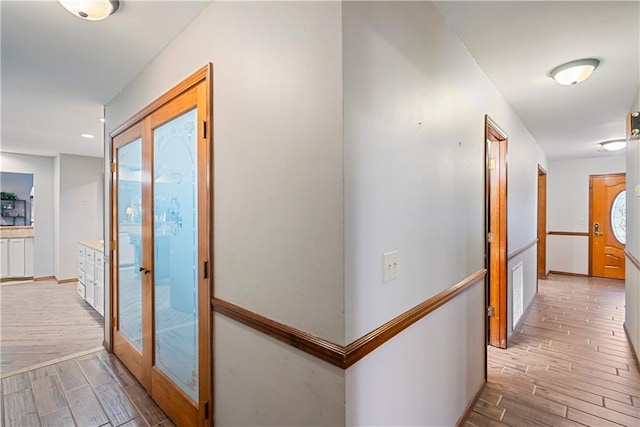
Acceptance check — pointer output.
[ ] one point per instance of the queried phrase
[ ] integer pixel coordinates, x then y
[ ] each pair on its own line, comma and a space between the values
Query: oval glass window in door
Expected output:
618, 217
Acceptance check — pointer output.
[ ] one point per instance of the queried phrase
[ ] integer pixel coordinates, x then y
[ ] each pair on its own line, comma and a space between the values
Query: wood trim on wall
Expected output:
632, 258
16, 279
374, 339
569, 233
335, 354
43, 278
61, 281
318, 347
566, 273
522, 249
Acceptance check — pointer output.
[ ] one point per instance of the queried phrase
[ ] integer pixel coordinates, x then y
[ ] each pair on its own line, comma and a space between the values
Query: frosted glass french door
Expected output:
161, 295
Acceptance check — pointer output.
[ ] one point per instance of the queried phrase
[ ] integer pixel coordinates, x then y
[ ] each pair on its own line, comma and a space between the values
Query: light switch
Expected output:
391, 265
638, 190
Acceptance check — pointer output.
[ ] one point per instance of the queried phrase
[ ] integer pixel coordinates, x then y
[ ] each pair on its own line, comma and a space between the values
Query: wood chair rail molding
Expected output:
522, 249
632, 258
335, 354
568, 233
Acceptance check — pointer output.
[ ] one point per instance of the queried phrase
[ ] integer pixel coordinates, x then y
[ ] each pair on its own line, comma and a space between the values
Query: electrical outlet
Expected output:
391, 265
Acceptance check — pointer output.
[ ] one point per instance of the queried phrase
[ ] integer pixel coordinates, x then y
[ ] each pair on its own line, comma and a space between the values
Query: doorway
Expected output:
542, 224
162, 248
496, 231
607, 219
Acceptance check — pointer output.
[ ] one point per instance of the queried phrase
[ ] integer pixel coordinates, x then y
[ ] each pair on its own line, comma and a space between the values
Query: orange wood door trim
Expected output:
496, 142
195, 90
337, 355
542, 224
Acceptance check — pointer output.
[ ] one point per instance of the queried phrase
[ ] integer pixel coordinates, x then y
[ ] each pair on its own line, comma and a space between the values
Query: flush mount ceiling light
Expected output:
91, 10
574, 72
87, 135
614, 145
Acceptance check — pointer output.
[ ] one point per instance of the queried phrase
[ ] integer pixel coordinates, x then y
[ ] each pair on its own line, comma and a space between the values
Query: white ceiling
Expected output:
517, 43
58, 71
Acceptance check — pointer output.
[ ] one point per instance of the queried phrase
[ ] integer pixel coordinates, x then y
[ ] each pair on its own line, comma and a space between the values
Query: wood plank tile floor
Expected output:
568, 364
42, 321
94, 389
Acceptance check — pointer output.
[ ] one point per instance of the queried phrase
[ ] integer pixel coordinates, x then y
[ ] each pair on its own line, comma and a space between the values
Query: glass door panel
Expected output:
129, 241
175, 225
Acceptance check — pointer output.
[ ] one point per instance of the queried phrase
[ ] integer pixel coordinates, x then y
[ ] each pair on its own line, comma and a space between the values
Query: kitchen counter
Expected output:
93, 244
16, 231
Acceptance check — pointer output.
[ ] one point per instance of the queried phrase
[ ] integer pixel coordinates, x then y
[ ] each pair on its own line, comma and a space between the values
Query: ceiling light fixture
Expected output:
614, 145
574, 72
87, 135
91, 10
102, 120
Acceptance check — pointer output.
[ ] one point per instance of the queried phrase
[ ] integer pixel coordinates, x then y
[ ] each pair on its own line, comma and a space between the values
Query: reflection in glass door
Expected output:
175, 202
129, 240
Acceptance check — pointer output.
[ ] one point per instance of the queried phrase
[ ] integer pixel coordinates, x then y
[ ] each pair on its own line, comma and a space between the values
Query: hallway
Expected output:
568, 363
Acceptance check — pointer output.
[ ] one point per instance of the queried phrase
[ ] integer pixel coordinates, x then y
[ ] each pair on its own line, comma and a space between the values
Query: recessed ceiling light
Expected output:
102, 120
574, 72
87, 135
614, 145
91, 10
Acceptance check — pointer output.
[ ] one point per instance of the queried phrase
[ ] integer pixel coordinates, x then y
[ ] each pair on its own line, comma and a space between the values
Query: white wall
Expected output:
42, 170
278, 187
632, 285
80, 208
568, 209
414, 107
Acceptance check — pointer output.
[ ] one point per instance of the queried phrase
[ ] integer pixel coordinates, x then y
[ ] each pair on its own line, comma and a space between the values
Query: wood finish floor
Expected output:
42, 321
87, 391
568, 364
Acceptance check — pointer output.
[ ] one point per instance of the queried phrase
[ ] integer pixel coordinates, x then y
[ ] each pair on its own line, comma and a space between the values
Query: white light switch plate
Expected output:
638, 190
391, 265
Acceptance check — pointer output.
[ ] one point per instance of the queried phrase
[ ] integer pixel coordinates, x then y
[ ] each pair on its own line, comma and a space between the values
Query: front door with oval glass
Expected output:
607, 236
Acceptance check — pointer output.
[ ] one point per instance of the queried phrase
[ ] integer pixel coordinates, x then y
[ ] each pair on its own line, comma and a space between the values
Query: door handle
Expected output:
596, 229
146, 271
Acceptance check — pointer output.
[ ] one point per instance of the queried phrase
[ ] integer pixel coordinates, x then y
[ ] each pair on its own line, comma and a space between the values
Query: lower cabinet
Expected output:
16, 257
91, 274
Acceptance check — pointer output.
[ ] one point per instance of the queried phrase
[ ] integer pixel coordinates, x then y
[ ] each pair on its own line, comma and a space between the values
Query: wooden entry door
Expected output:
496, 236
161, 222
607, 237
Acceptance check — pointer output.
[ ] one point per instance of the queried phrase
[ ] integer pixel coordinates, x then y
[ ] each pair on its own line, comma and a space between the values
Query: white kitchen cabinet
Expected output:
4, 258
16, 257
91, 274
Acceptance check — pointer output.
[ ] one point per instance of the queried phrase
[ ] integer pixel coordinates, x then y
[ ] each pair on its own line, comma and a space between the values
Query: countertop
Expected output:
93, 244
16, 231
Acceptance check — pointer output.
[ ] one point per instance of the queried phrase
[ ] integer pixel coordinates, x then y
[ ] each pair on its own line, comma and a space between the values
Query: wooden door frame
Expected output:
542, 224
496, 264
591, 178
205, 186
